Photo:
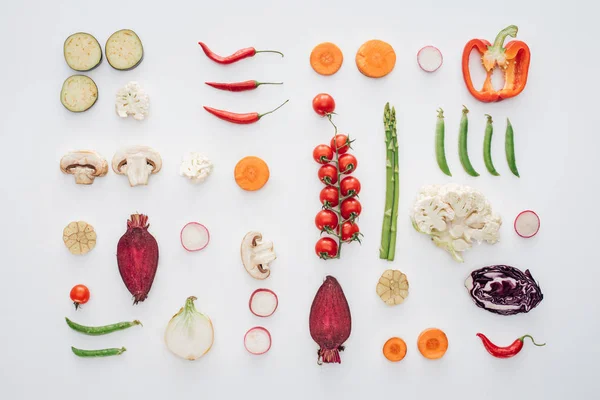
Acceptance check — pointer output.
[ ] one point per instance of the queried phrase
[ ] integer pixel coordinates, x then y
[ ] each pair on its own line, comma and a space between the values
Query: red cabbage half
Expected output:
504, 290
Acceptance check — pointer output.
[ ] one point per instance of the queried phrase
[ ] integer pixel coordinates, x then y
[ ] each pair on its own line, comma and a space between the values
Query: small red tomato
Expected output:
330, 196
347, 163
350, 186
349, 231
350, 207
80, 294
341, 142
326, 248
323, 154
326, 219
323, 104
328, 174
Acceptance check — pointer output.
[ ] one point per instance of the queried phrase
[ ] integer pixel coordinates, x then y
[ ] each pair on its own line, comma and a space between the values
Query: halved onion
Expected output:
257, 340
194, 236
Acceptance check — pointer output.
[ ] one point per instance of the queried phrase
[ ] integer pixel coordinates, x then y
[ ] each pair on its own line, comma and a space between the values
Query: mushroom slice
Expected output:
392, 287
257, 255
138, 163
84, 165
79, 237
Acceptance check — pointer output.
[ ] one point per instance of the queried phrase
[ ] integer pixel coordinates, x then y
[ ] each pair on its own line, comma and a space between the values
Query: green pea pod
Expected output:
487, 146
101, 330
510, 149
98, 353
462, 144
440, 149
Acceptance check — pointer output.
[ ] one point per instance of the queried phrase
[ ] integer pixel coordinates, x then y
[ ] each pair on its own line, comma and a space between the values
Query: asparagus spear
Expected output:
389, 185
392, 249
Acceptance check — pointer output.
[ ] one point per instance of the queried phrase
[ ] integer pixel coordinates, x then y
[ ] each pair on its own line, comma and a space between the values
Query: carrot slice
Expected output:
375, 58
326, 58
394, 349
251, 173
433, 343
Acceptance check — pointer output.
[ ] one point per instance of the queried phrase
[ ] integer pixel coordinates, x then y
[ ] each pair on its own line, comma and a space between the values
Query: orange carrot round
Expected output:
394, 349
251, 173
326, 58
432, 343
375, 59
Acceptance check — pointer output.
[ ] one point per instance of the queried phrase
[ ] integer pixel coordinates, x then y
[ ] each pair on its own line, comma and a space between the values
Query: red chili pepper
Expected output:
508, 351
237, 56
247, 118
240, 86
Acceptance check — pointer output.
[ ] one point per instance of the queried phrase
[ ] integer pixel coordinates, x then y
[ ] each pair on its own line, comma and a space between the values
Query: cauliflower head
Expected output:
455, 216
132, 100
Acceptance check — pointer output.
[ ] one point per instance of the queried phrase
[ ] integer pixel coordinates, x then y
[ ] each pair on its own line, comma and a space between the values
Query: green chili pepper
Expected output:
440, 150
98, 353
487, 146
462, 144
510, 149
101, 330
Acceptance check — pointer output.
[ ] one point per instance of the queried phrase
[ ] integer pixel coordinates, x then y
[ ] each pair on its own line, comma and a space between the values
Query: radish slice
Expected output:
263, 302
257, 340
194, 236
430, 58
527, 224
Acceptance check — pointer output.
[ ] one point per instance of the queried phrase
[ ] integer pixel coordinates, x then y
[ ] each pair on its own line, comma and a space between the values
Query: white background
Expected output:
556, 141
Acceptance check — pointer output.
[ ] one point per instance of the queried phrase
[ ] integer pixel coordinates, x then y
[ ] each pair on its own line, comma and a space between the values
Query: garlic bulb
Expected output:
196, 167
132, 100
189, 334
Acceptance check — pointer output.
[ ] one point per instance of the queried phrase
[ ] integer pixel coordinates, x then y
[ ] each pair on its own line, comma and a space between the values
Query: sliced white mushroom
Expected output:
84, 165
138, 163
257, 255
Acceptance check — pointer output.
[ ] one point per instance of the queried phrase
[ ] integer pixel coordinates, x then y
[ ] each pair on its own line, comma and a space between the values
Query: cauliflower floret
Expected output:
196, 167
132, 100
455, 216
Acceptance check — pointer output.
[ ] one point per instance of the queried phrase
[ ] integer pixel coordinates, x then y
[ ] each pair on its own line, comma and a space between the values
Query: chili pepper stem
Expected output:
272, 111
502, 35
271, 51
522, 338
268, 83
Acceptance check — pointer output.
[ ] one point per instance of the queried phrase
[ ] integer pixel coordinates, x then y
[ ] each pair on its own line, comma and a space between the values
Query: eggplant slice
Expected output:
124, 50
82, 52
78, 93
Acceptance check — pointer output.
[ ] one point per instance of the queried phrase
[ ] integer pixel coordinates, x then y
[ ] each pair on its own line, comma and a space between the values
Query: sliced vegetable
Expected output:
392, 287
138, 163
432, 343
195, 167
394, 349
240, 118
80, 294
375, 59
487, 146
124, 50
326, 58
101, 330
510, 149
387, 249
189, 334
82, 52
79, 93
251, 173
507, 351
430, 58
237, 56
257, 340
527, 224
194, 236
79, 237
98, 353
263, 302
84, 165
326, 248
257, 254
463, 152
132, 100
440, 147
323, 104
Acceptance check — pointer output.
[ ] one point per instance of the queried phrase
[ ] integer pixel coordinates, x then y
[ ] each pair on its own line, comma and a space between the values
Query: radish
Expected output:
527, 224
430, 58
257, 340
330, 322
194, 236
263, 302
137, 256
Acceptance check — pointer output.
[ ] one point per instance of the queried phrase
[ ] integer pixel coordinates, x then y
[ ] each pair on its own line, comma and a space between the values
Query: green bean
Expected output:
462, 144
510, 149
487, 146
440, 149
101, 330
98, 353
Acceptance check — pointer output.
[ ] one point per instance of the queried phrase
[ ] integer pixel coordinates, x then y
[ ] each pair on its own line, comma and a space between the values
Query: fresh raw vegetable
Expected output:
342, 143
487, 146
323, 104
101, 330
326, 58
189, 333
326, 221
98, 353
237, 56
257, 255
507, 351
137, 256
326, 248
323, 154
454, 217
462, 144
387, 249
330, 196
350, 232
251, 173
257, 340
527, 224
330, 321
124, 50
349, 186
328, 174
430, 58
79, 237
194, 236
375, 59
79, 93
195, 167
394, 349
347, 163
138, 163
512, 60
510, 149
237, 118
440, 147
263, 302
132, 100
392, 287
240, 86
504, 290
350, 209
80, 294
84, 165
82, 52
432, 343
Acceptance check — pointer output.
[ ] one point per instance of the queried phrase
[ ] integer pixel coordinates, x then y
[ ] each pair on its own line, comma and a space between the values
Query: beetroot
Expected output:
330, 321
137, 256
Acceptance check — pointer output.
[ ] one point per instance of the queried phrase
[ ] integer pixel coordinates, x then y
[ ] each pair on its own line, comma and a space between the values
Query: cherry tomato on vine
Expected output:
326, 248
328, 174
350, 207
330, 196
80, 294
323, 104
350, 185
342, 143
323, 154
347, 163
326, 219
349, 231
